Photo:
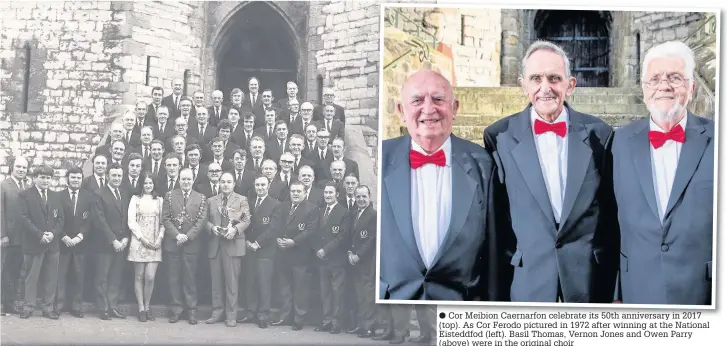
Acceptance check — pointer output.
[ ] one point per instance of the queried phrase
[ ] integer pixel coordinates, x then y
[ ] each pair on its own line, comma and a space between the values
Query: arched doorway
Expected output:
584, 35
257, 41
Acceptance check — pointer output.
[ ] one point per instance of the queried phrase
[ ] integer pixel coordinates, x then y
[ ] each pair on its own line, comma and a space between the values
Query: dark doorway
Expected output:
584, 35
258, 43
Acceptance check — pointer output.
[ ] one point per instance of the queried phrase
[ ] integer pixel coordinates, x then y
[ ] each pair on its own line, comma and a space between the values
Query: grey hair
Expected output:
545, 45
673, 49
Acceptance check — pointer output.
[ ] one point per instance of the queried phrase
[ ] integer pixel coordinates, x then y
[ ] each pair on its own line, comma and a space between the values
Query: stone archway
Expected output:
585, 36
257, 40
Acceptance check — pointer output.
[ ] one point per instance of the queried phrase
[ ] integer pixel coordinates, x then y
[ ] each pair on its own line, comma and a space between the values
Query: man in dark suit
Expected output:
203, 131
321, 156
335, 127
173, 101
228, 216
183, 217
179, 146
311, 140
440, 228
278, 189
224, 131
197, 102
11, 232
292, 116
146, 136
169, 181
292, 90
42, 220
131, 183
338, 173
259, 262
244, 176
155, 163
117, 154
199, 170
331, 252
131, 132
242, 135
116, 133
296, 223
217, 146
280, 186
254, 100
77, 209
237, 101
210, 187
141, 116
99, 178
362, 256
296, 148
277, 145
110, 238
313, 194
217, 111
328, 98
157, 93
162, 127
306, 114
338, 148
185, 112
664, 187
551, 164
267, 130
266, 106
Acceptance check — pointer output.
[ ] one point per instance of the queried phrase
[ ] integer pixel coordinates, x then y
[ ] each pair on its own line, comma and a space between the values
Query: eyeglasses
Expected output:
214, 170
674, 80
286, 161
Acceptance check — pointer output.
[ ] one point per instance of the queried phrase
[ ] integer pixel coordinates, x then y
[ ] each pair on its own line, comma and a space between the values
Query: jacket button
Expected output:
664, 247
426, 279
558, 245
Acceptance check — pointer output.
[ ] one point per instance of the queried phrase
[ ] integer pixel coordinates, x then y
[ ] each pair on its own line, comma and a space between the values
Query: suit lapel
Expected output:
526, 157
117, 202
579, 156
398, 183
640, 146
39, 199
689, 158
463, 190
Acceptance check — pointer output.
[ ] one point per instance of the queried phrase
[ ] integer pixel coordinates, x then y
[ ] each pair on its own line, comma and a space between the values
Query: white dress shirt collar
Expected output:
563, 116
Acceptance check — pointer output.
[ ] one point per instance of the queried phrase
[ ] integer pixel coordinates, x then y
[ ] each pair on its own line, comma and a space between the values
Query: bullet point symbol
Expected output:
441, 315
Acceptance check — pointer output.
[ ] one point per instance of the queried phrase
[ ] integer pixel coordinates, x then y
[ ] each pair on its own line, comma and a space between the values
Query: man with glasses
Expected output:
286, 176
210, 187
311, 140
664, 187
306, 113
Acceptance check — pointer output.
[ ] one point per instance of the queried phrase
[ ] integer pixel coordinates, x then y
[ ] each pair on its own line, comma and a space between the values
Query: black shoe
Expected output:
150, 315
297, 326
116, 314
192, 317
335, 330
142, 316
262, 324
355, 330
25, 314
105, 316
11, 310
174, 318
387, 335
422, 339
366, 334
50, 315
77, 313
246, 319
323, 327
280, 323
396, 340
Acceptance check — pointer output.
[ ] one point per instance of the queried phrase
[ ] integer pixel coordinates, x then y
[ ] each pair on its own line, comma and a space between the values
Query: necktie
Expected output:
201, 130
128, 137
321, 152
73, 201
285, 178
214, 189
176, 102
257, 163
171, 185
22, 185
239, 177
282, 145
186, 196
326, 214
117, 194
355, 222
270, 130
156, 167
305, 125
328, 126
45, 197
558, 128
257, 203
133, 182
417, 159
225, 218
194, 173
350, 203
658, 138
249, 137
146, 152
254, 98
292, 210
103, 183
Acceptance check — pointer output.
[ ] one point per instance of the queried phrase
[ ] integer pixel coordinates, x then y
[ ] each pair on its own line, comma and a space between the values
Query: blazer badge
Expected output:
334, 229
364, 234
85, 215
301, 226
266, 220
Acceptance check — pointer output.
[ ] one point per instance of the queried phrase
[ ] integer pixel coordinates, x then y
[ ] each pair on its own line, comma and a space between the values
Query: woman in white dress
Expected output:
145, 248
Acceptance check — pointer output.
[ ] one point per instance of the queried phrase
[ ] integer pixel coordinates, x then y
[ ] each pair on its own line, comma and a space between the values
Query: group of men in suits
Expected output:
558, 206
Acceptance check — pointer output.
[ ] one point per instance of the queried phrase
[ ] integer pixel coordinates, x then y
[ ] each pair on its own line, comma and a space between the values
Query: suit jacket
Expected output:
91, 184
78, 223
178, 218
162, 134
238, 137
247, 185
259, 112
140, 151
665, 261
340, 113
37, 217
575, 251
279, 190
149, 166
300, 227
210, 132
304, 162
262, 132
464, 267
162, 184
151, 113
321, 167
214, 117
332, 235
205, 188
315, 196
362, 235
129, 188
11, 207
239, 210
297, 125
283, 103
338, 129
173, 110
274, 150
110, 220
260, 227
201, 176
325, 171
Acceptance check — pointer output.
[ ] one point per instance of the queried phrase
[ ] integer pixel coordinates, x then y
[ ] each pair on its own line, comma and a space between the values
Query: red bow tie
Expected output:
658, 138
417, 159
558, 128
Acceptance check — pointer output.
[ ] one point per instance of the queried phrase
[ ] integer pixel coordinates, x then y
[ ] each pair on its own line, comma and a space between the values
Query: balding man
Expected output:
328, 98
11, 232
116, 133
552, 166
217, 111
435, 203
173, 101
292, 92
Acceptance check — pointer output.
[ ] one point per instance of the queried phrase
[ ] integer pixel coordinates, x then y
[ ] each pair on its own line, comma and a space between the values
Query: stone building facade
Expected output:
70, 68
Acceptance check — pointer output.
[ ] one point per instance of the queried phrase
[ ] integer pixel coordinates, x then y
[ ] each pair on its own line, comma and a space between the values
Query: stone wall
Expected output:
74, 75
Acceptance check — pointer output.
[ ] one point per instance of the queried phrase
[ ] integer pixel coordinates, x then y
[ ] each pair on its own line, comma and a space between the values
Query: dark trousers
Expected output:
76, 264
365, 276
350, 314
400, 317
182, 281
294, 281
40, 270
426, 316
109, 269
333, 278
225, 271
12, 288
258, 286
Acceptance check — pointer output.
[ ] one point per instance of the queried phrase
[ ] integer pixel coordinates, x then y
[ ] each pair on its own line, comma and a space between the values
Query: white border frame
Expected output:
715, 225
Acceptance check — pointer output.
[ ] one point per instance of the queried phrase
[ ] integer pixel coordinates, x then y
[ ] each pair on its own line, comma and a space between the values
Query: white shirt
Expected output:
431, 202
664, 167
553, 156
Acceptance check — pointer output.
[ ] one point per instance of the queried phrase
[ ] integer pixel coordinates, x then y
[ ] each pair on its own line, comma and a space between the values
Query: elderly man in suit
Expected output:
664, 187
184, 218
11, 233
228, 216
99, 178
362, 256
109, 241
435, 201
42, 220
77, 209
174, 100
552, 165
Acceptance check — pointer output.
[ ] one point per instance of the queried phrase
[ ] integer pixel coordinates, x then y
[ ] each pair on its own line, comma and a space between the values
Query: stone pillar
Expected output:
512, 49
